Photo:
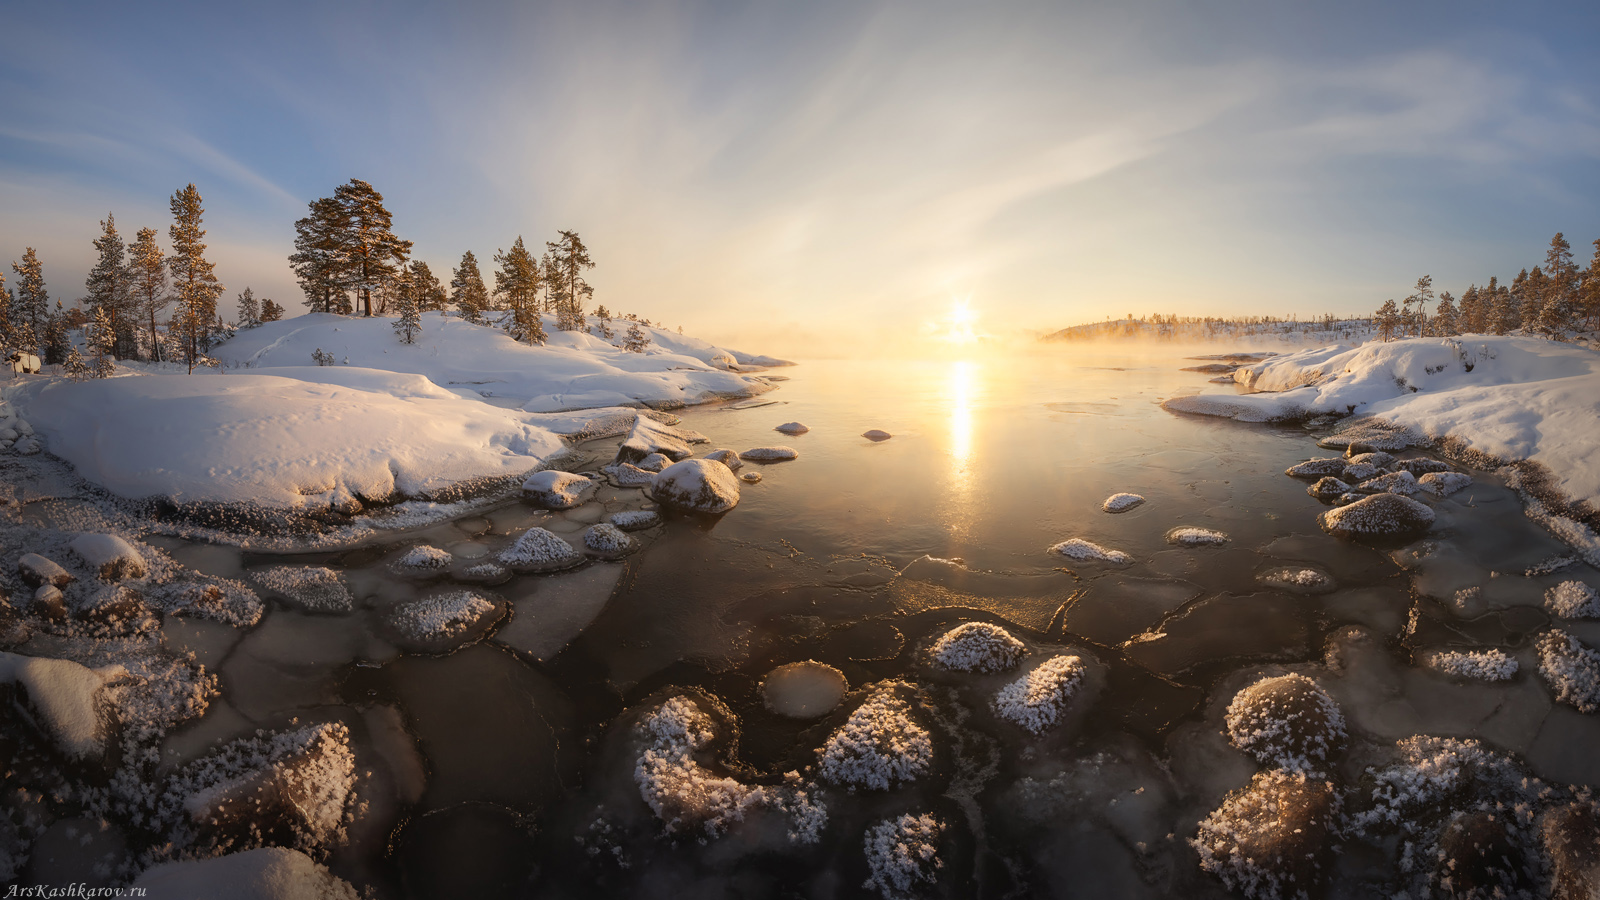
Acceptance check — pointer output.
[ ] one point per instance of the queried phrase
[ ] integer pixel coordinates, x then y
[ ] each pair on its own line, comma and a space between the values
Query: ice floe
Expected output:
803, 690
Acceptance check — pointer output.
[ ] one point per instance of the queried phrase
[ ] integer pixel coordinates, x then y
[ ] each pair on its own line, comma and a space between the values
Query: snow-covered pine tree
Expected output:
75, 367
1525, 302
408, 321
1589, 293
107, 283
8, 337
1559, 293
602, 327
1416, 318
101, 339
1387, 319
430, 293
1470, 318
1444, 321
568, 258
321, 258
147, 285
30, 310
467, 291
374, 252
517, 283
270, 312
56, 340
249, 309
637, 340
193, 280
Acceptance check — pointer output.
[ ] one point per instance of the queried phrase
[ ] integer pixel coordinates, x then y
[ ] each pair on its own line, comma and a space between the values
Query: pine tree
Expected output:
1590, 291
568, 258
74, 366
30, 310
270, 312
1387, 318
107, 283
194, 281
1415, 319
409, 322
467, 291
8, 335
147, 284
249, 310
1559, 293
1444, 321
1470, 320
375, 254
637, 340
1524, 301
321, 259
518, 281
430, 293
101, 339
56, 340
602, 330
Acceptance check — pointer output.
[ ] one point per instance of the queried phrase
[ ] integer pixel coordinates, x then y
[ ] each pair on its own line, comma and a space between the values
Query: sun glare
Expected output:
958, 325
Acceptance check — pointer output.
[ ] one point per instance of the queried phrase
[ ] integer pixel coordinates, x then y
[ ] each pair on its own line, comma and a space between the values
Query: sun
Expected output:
958, 324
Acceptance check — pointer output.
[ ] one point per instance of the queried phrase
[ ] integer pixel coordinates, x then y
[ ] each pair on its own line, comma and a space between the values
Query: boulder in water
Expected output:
770, 454
1381, 516
696, 485
537, 550
876, 436
1274, 838
727, 458
557, 490
607, 541
792, 428
108, 556
1328, 489
1318, 468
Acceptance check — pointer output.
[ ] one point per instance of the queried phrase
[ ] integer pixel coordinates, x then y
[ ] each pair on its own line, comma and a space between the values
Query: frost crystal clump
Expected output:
423, 558
1196, 537
1036, 700
1080, 549
1572, 669
1288, 721
878, 745
537, 550
903, 853
1401, 482
315, 588
1484, 665
1121, 502
1297, 579
1444, 483
1573, 600
442, 616
977, 647
1272, 839
607, 540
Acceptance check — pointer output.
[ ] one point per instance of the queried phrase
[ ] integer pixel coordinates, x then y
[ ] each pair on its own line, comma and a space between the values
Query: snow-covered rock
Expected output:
1086, 551
727, 458
1379, 516
313, 588
636, 519
903, 855
37, 571
655, 462
1297, 579
445, 621
1572, 670
607, 541
770, 454
1121, 502
697, 485
1321, 467
1444, 483
1422, 466
977, 647
803, 690
1359, 472
109, 556
423, 560
1189, 536
1401, 482
1287, 721
1274, 839
266, 873
64, 700
1037, 700
792, 428
751, 478
48, 602
1573, 600
650, 436
630, 475
557, 490
876, 435
878, 746
1480, 665
1328, 489
1382, 460
537, 550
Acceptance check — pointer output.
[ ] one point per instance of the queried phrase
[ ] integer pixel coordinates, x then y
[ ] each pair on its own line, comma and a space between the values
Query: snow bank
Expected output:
977, 647
1086, 551
903, 854
266, 873
1037, 699
879, 745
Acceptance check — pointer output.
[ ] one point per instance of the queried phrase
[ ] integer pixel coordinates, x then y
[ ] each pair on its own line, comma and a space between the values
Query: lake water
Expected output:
507, 768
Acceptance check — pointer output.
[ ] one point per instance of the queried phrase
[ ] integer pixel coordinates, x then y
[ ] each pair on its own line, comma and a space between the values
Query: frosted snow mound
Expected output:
537, 550
292, 788
903, 854
1401, 482
636, 519
1329, 489
1121, 502
1318, 468
1481, 665
1571, 669
109, 556
1444, 483
1086, 551
977, 647
557, 490
1274, 839
1430, 774
607, 540
1297, 579
1037, 699
697, 485
1378, 516
770, 454
423, 558
65, 700
314, 588
444, 621
879, 745
877, 436
792, 428
1196, 537
1288, 721
1573, 600
727, 458
266, 873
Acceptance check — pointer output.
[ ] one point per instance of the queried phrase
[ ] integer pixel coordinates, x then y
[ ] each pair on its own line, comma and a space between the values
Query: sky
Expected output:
827, 177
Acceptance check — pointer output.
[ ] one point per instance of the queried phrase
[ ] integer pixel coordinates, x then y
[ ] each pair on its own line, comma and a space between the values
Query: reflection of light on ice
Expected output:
962, 387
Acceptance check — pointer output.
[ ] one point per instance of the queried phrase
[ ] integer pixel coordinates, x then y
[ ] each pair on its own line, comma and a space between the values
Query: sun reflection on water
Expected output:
962, 387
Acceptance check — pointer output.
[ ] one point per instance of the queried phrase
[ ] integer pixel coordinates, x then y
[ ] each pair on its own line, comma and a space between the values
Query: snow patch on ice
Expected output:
1037, 699
1189, 536
1087, 551
1481, 665
1121, 502
314, 588
903, 854
1573, 600
977, 647
879, 745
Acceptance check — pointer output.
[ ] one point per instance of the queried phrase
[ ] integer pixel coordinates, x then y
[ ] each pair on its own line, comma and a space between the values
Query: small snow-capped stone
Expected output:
48, 602
1373, 458
1273, 839
1121, 502
697, 485
977, 647
1572, 670
444, 621
1482, 665
1366, 436
1329, 488
1401, 482
1086, 551
655, 462
630, 475
1297, 579
1421, 466
879, 745
727, 458
109, 556
1573, 600
1189, 536
607, 540
537, 550
803, 690
314, 588
902, 854
636, 519
1360, 472
36, 570
751, 478
1320, 467
64, 700
792, 428
1379, 516
485, 573
557, 490
423, 558
1037, 699
877, 436
1444, 483
1287, 721
770, 454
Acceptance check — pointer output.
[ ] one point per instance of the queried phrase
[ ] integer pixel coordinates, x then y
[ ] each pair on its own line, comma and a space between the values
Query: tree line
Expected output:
1554, 300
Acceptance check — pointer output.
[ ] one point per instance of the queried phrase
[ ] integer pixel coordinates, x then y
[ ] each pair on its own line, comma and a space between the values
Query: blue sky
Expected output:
760, 173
